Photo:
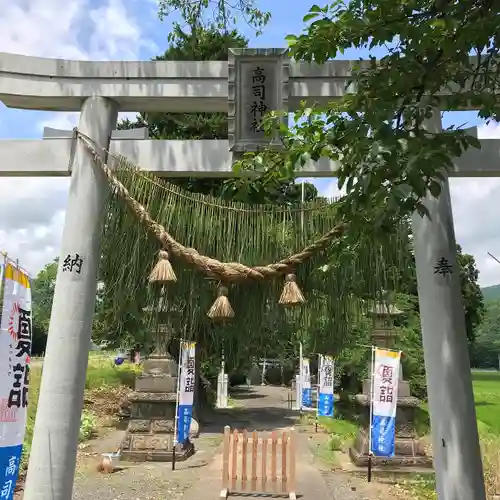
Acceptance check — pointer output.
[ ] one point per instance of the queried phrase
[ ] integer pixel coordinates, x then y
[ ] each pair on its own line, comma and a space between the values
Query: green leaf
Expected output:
309, 16
422, 210
315, 8
435, 189
473, 141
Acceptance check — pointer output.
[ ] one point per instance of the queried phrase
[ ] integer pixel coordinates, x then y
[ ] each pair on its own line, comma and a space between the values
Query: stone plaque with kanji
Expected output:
257, 84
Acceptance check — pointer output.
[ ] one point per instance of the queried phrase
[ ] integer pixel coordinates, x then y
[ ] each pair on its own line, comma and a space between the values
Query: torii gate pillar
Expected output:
54, 448
455, 440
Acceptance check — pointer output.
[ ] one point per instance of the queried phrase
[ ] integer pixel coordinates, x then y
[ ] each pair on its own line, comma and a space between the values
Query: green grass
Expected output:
343, 431
343, 428
104, 372
101, 372
487, 400
233, 403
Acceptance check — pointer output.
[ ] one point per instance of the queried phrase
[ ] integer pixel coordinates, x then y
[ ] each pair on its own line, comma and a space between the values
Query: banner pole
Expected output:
333, 387
372, 389
301, 375
2, 283
176, 420
318, 388
383, 348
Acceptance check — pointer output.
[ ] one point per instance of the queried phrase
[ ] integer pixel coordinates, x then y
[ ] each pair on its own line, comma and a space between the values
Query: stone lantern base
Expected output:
150, 431
409, 450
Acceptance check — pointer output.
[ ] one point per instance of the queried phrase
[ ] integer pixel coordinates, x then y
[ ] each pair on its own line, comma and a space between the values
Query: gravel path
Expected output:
145, 481
260, 408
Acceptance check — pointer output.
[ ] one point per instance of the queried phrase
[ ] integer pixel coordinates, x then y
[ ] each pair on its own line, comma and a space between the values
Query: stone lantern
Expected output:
150, 431
409, 451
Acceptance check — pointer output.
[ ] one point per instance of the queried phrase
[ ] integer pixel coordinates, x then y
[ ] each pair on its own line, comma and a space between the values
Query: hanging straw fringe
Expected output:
163, 271
225, 271
144, 211
291, 295
221, 309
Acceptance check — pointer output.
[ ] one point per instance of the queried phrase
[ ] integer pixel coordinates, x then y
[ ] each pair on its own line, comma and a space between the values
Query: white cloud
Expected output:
60, 121
71, 30
332, 190
67, 121
32, 210
42, 28
31, 219
475, 213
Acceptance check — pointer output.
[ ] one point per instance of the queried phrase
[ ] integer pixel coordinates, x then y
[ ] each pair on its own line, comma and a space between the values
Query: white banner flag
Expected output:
187, 382
306, 384
15, 350
385, 380
326, 380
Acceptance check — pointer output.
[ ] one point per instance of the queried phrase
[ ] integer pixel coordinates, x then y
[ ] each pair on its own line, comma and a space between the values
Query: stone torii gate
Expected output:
99, 90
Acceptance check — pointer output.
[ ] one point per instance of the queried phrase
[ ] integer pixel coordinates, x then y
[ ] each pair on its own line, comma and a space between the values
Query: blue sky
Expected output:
130, 29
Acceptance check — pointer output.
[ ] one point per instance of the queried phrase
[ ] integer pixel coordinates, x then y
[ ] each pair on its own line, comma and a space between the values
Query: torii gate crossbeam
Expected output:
99, 90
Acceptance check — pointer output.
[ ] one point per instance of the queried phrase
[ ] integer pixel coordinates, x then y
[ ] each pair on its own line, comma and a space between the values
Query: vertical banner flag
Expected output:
385, 380
186, 390
326, 377
15, 350
306, 384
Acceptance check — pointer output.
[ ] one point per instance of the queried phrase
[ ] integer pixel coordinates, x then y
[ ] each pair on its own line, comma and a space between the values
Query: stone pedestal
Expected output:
409, 451
150, 432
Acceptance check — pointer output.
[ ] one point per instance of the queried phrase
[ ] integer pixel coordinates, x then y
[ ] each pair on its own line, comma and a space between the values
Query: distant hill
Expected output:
491, 293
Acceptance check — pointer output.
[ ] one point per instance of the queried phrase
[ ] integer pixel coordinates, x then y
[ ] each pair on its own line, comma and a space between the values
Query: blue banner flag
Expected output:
187, 382
385, 380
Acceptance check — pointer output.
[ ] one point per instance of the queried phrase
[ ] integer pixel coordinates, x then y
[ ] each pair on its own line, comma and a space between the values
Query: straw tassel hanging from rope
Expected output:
291, 295
163, 271
221, 309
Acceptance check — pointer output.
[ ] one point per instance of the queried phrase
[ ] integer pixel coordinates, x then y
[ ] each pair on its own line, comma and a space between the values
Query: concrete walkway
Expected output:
263, 409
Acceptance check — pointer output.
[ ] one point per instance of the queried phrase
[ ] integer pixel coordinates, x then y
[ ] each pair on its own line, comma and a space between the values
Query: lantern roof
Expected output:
385, 309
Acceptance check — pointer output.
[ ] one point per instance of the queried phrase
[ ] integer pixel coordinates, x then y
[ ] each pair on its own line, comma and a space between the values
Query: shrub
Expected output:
88, 425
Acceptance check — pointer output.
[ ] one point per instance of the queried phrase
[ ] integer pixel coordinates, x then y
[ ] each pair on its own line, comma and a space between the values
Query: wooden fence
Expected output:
240, 468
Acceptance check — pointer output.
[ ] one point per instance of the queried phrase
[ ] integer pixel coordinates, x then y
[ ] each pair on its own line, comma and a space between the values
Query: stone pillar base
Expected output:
150, 432
157, 451
409, 449
409, 452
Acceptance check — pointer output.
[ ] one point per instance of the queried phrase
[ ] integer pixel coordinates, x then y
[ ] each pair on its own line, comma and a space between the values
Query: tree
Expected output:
43, 294
219, 15
485, 351
471, 293
132, 330
377, 131
484, 337
389, 160
409, 338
